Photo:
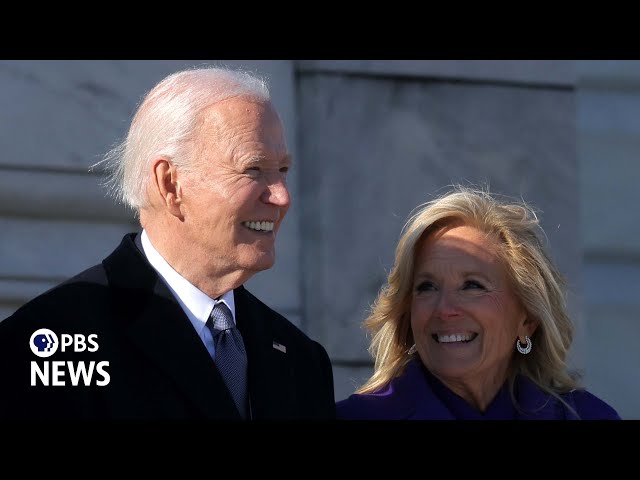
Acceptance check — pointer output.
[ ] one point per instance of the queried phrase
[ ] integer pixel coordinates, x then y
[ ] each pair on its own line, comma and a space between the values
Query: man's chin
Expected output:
262, 262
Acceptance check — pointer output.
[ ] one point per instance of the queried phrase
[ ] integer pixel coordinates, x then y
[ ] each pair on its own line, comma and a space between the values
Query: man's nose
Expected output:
277, 193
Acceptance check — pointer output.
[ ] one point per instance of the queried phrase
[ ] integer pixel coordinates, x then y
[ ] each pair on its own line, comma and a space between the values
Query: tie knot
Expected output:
221, 318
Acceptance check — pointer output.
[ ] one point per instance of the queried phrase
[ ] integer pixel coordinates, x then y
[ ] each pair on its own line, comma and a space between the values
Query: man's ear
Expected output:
166, 186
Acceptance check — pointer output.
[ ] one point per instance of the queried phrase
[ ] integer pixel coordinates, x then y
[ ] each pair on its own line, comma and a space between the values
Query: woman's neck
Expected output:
477, 390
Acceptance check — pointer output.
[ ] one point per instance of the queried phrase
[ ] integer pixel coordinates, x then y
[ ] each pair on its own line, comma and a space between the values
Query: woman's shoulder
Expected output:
351, 408
591, 407
394, 401
364, 406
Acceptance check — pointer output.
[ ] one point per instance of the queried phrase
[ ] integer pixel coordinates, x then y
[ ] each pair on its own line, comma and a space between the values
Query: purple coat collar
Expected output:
410, 397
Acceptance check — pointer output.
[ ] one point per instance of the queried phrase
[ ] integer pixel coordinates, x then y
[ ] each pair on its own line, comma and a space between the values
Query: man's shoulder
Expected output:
278, 322
63, 301
81, 293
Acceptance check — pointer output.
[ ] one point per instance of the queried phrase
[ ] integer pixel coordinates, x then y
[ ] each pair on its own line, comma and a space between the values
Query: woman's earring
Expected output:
412, 350
527, 348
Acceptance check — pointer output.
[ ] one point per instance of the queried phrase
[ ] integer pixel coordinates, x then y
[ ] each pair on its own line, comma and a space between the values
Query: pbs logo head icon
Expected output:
44, 342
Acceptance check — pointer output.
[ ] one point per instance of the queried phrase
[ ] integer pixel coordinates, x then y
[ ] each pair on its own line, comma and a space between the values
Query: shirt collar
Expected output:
196, 304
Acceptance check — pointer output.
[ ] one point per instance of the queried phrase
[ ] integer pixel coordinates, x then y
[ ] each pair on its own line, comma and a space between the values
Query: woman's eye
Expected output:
473, 285
425, 287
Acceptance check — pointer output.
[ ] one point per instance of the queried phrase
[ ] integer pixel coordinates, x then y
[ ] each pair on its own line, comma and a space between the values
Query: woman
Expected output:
472, 323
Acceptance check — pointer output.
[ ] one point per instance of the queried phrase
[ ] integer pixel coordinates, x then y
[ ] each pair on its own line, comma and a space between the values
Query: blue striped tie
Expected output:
231, 356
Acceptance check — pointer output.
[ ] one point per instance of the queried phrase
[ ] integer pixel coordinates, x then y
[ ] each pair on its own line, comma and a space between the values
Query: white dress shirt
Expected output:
195, 303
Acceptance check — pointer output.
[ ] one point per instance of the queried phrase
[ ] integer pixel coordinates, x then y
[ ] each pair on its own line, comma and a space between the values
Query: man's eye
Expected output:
284, 169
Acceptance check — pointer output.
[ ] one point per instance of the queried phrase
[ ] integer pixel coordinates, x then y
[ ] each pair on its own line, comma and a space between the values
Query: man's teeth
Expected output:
259, 226
455, 338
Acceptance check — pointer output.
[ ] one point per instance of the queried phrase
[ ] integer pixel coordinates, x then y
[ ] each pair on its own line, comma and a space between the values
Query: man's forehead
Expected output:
238, 107
252, 120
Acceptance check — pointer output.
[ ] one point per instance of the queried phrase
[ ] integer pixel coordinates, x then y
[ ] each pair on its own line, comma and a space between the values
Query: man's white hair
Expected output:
165, 123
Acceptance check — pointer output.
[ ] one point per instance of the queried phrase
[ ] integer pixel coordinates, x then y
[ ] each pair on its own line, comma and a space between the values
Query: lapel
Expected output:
271, 376
156, 324
414, 399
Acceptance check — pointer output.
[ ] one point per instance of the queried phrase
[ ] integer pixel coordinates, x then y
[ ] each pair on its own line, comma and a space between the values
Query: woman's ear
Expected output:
528, 326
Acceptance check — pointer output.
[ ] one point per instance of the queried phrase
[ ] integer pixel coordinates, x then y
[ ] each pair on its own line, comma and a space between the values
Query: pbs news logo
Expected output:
44, 343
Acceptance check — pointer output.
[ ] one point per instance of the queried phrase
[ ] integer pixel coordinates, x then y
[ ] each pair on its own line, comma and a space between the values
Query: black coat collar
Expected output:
154, 321
157, 325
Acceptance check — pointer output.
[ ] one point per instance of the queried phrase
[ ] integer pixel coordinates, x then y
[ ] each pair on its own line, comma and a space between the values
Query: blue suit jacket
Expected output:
410, 397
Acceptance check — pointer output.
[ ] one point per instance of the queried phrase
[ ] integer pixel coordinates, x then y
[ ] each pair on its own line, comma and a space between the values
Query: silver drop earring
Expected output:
527, 348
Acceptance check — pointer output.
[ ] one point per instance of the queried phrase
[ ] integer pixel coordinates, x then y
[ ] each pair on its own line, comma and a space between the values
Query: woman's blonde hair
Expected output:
536, 282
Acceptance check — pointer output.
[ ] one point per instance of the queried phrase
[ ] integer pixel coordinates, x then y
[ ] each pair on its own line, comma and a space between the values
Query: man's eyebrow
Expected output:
286, 159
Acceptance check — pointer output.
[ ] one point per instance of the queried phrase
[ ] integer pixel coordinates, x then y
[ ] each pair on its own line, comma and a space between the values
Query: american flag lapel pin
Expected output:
279, 346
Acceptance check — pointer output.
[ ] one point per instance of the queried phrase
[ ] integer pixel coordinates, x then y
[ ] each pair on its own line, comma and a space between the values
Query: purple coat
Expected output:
418, 395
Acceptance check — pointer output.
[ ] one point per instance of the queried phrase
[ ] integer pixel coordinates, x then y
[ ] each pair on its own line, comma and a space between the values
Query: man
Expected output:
163, 327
